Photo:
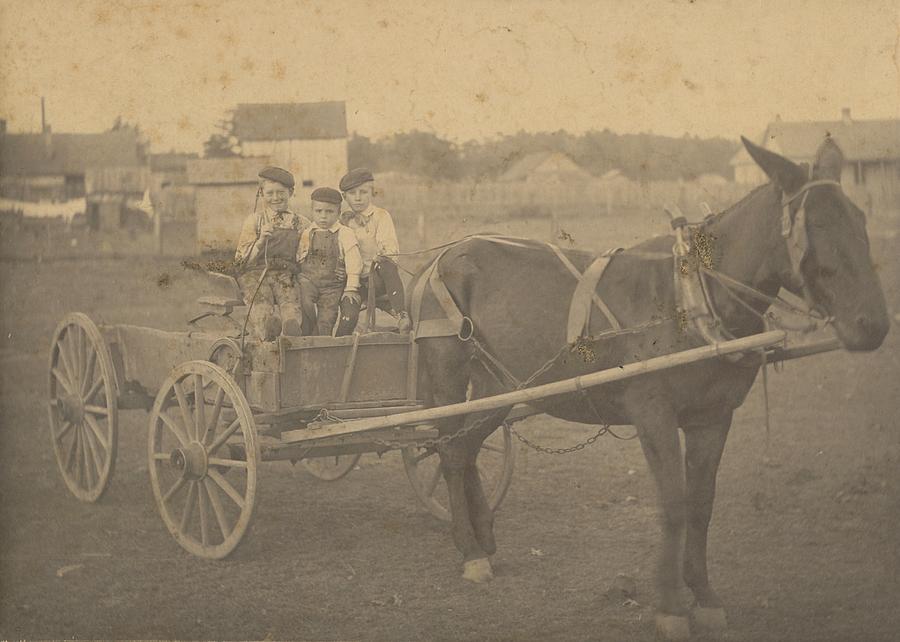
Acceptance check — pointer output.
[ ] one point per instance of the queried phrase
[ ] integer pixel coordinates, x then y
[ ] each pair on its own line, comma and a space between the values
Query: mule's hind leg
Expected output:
702, 453
658, 431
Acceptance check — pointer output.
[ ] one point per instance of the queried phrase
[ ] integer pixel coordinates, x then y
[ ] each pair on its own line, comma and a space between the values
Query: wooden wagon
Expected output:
220, 406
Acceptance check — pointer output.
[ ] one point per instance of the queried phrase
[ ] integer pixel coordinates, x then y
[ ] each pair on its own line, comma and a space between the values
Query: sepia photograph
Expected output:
450, 321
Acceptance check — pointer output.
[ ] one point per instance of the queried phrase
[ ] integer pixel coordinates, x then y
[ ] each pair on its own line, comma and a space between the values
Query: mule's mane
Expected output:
731, 208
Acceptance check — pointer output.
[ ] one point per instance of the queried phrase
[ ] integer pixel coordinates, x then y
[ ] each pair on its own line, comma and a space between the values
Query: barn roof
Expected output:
290, 121
67, 154
546, 163
860, 140
225, 171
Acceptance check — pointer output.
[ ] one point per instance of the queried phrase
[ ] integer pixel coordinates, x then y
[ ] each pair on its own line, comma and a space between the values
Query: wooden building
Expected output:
871, 148
308, 139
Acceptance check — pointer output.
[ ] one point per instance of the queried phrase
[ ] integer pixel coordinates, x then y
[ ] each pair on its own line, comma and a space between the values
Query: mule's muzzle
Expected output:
864, 333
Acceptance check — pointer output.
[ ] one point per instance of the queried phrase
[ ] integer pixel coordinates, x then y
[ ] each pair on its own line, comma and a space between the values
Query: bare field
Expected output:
805, 542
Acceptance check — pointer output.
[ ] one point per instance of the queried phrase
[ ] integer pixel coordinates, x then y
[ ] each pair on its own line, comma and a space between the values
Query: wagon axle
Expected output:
71, 407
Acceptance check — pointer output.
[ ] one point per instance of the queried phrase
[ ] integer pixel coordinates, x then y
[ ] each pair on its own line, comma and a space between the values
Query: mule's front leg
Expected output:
658, 431
702, 453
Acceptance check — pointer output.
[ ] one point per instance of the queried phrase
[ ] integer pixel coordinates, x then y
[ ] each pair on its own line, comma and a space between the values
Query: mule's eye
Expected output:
826, 272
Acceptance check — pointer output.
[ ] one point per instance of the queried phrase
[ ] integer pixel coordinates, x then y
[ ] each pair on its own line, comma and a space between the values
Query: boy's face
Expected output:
275, 195
325, 214
359, 197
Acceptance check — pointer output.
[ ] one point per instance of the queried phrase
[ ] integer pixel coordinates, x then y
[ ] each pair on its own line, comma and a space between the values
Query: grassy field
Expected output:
805, 543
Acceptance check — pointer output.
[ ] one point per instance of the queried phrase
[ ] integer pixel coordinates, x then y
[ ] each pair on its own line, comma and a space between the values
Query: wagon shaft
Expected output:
755, 342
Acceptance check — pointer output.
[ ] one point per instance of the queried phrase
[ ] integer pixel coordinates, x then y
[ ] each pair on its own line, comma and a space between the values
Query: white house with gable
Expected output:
307, 139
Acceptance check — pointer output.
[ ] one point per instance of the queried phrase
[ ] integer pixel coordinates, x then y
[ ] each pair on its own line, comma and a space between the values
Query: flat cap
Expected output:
326, 195
278, 175
355, 178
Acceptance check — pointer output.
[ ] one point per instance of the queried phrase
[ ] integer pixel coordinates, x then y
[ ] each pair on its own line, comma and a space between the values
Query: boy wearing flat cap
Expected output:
329, 268
378, 244
266, 253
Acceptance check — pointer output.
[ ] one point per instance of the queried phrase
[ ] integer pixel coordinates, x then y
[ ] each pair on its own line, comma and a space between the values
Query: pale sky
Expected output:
463, 70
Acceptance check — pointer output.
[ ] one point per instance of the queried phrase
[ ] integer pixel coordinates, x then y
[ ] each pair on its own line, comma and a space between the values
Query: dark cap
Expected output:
326, 195
355, 178
278, 175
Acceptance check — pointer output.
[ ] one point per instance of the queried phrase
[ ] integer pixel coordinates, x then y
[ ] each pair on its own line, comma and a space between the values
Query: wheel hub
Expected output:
71, 408
190, 460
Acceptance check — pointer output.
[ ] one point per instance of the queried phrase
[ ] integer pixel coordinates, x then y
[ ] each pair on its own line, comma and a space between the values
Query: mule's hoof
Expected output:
709, 618
673, 627
478, 571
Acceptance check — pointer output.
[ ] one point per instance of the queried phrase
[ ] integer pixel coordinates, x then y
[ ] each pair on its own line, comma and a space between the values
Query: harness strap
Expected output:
580, 308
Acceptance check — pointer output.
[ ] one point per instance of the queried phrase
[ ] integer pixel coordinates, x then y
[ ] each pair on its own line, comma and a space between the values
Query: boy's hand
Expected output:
352, 296
265, 231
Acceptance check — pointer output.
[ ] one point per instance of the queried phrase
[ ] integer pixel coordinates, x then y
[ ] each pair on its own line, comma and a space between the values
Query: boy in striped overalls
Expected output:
329, 267
266, 254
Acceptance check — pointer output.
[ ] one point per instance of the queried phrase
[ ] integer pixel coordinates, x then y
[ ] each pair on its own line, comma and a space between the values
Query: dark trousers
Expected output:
384, 279
321, 305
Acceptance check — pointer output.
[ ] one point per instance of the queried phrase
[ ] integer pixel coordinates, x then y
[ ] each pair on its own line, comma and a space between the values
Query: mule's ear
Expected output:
829, 160
786, 174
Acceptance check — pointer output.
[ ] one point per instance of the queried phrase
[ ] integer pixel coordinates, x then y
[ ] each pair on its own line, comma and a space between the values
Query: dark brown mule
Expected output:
518, 299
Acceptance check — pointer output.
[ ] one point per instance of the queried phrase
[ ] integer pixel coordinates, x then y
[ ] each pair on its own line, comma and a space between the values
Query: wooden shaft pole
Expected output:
525, 395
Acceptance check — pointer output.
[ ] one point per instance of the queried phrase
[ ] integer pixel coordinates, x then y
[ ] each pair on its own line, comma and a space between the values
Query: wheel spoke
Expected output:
217, 508
200, 406
88, 374
98, 432
61, 350
226, 486
175, 428
79, 351
63, 381
204, 526
174, 489
79, 473
231, 463
95, 387
98, 461
433, 482
70, 455
73, 355
89, 475
188, 508
96, 410
67, 426
214, 420
221, 439
185, 409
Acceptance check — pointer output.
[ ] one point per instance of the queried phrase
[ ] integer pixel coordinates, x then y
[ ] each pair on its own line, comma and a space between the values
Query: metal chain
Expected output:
559, 451
435, 442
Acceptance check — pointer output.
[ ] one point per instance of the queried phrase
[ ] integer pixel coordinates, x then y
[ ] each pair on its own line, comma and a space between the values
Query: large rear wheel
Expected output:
83, 407
204, 456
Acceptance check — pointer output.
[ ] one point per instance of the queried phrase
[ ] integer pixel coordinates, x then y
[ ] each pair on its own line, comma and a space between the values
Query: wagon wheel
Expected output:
192, 446
83, 407
331, 468
496, 462
226, 353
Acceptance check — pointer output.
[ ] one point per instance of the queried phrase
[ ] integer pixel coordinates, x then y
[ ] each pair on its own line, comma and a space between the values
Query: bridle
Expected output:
796, 235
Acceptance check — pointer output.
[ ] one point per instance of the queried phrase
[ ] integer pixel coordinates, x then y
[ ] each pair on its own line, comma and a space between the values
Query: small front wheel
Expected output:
204, 456
331, 468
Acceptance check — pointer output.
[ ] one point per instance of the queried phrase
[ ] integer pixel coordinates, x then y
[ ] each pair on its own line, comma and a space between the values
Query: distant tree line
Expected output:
642, 157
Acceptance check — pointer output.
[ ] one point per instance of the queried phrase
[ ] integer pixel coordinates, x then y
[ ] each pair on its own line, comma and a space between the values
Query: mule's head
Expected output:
827, 245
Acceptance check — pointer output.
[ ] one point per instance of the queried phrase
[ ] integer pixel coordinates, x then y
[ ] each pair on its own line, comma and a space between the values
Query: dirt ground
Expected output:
805, 542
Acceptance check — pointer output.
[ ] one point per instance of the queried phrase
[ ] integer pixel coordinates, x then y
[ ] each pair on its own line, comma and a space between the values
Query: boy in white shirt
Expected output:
329, 268
378, 244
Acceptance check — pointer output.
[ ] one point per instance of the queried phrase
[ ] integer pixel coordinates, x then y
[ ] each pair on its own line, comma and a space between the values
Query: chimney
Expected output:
43, 117
777, 118
2, 126
845, 115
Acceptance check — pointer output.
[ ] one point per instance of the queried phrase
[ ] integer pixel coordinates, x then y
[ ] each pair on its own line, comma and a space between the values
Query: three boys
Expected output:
315, 270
